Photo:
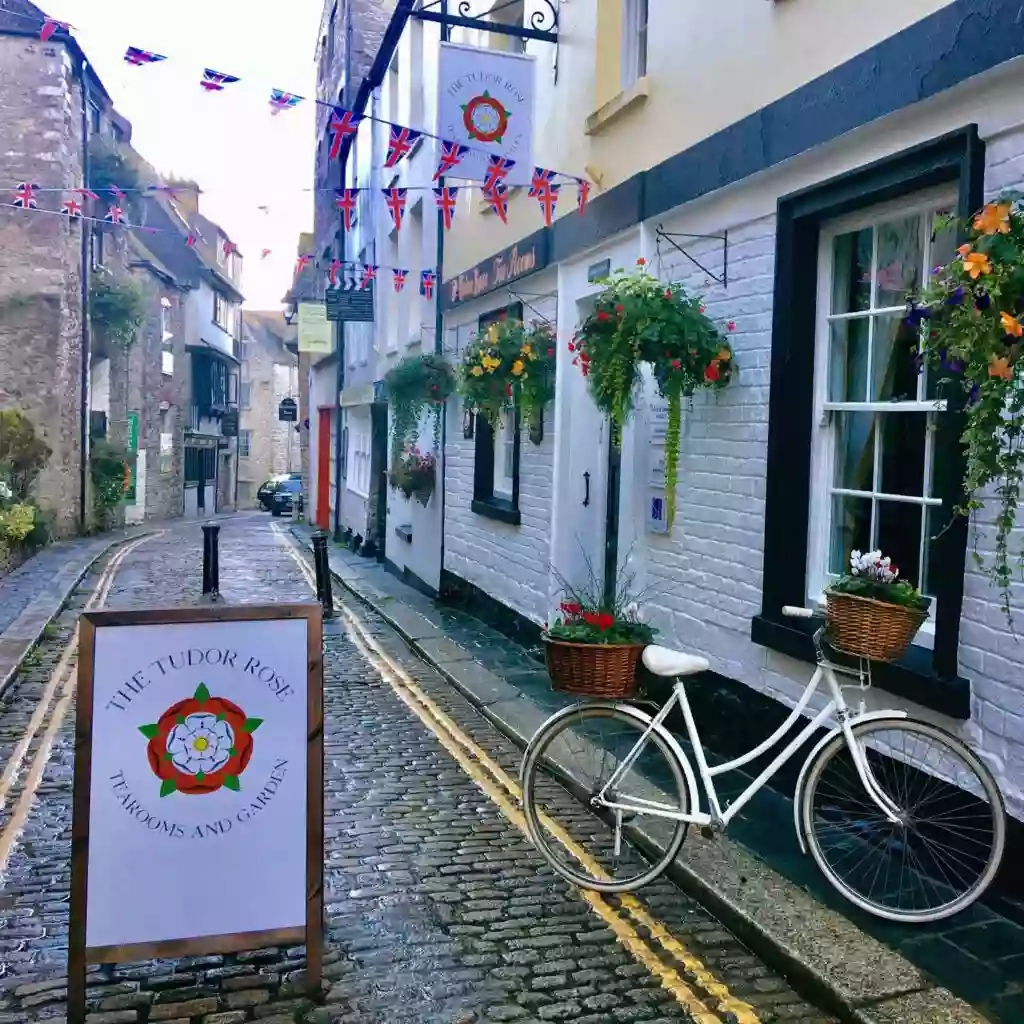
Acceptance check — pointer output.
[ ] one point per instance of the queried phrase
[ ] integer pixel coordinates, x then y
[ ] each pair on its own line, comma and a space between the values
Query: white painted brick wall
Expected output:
511, 563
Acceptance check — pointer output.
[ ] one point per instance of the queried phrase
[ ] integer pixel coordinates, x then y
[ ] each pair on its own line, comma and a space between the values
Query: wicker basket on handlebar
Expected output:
592, 670
865, 628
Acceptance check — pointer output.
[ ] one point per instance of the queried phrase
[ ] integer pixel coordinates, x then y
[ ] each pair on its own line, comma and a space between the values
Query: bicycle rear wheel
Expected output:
568, 763
945, 849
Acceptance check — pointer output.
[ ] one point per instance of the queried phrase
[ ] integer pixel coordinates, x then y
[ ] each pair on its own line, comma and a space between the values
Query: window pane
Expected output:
848, 361
899, 536
855, 451
903, 446
900, 261
944, 241
851, 530
935, 520
893, 363
851, 272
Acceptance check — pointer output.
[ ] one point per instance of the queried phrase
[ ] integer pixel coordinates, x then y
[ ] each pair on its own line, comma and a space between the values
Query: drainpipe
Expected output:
439, 336
83, 476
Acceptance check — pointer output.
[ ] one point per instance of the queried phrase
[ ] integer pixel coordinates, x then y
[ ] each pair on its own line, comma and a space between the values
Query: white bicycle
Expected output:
902, 818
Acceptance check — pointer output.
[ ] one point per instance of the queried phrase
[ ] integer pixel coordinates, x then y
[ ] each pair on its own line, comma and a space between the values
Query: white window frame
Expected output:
357, 466
635, 19
824, 424
504, 455
244, 443
220, 311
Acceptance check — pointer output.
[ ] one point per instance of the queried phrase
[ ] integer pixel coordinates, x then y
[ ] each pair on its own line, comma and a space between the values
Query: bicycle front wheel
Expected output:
571, 761
943, 851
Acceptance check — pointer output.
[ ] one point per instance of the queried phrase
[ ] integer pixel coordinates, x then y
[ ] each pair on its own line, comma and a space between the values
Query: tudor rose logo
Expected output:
485, 119
200, 744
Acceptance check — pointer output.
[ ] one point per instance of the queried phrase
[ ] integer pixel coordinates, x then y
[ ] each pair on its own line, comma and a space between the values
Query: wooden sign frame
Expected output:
310, 934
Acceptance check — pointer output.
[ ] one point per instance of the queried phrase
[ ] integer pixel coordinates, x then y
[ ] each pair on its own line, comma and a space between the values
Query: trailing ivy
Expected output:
117, 308
108, 469
110, 169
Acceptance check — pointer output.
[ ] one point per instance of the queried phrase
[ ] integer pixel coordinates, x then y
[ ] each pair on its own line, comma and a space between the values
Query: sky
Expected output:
241, 156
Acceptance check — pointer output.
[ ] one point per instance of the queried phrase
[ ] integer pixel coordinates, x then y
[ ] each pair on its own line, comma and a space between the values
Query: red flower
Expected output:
701, 308
551, 351
731, 325
602, 316
668, 293
508, 389
620, 310
712, 372
641, 262
572, 608
602, 620
676, 364
572, 347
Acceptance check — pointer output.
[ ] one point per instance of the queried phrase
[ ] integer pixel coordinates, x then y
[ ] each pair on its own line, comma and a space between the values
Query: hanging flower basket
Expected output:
506, 366
639, 319
414, 384
414, 474
872, 613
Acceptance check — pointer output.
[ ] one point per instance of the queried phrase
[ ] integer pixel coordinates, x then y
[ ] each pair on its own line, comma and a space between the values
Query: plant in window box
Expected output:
871, 612
417, 383
508, 365
593, 646
972, 332
639, 319
414, 473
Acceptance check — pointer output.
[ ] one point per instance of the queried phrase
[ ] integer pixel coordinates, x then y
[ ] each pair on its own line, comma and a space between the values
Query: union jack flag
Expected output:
118, 195
395, 198
115, 215
72, 207
134, 55
547, 196
343, 124
427, 281
498, 168
191, 238
85, 193
280, 100
399, 278
582, 194
497, 200
50, 27
445, 198
400, 143
303, 261
369, 274
229, 248
541, 178
332, 271
451, 156
214, 81
264, 253
25, 196
346, 199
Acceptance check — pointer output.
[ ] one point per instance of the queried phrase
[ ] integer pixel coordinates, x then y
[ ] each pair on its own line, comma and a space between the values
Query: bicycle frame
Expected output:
836, 706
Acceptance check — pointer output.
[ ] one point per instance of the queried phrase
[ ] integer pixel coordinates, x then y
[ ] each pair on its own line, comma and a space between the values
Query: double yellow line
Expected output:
714, 999
65, 672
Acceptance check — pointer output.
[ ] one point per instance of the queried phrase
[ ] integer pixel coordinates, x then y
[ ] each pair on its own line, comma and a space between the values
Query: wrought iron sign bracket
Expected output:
515, 296
543, 22
671, 236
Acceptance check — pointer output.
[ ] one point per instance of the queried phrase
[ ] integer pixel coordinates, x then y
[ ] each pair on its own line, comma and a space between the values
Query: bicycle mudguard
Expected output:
868, 716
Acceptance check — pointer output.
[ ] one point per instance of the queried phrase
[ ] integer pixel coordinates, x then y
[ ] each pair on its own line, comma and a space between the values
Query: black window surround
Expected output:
928, 677
485, 501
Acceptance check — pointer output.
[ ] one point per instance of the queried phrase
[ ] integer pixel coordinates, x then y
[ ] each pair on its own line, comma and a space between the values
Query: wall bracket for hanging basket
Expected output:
522, 297
543, 20
671, 236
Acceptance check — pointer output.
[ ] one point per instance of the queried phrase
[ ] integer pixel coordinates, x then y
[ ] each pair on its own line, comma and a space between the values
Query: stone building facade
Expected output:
267, 446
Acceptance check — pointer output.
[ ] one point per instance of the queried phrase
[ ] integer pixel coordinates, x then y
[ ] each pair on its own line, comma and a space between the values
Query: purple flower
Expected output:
982, 301
973, 395
917, 314
955, 297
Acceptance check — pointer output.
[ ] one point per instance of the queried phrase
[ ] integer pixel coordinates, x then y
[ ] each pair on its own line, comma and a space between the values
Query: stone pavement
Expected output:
437, 908
756, 879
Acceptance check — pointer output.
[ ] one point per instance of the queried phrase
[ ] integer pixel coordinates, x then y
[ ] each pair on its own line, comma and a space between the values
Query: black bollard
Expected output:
211, 562
322, 564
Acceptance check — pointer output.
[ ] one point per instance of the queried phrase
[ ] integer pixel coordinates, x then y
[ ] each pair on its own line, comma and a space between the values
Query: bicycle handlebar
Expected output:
796, 612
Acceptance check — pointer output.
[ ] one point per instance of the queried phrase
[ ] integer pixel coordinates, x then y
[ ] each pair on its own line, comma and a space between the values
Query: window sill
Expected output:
913, 677
628, 99
497, 508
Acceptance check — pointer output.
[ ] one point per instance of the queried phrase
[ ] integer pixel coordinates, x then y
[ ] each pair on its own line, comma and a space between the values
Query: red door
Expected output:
323, 471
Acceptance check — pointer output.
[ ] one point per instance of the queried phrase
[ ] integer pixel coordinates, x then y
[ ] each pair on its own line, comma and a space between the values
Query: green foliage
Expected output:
108, 467
108, 168
16, 521
414, 473
117, 308
902, 592
506, 366
22, 454
973, 335
414, 384
639, 319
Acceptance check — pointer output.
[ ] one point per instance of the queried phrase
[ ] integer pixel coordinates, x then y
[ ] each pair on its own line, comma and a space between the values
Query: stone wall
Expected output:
40, 259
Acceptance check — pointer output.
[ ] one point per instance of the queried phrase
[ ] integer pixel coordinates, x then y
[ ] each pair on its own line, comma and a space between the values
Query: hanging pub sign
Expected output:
485, 101
315, 332
351, 304
229, 423
526, 256
197, 824
288, 410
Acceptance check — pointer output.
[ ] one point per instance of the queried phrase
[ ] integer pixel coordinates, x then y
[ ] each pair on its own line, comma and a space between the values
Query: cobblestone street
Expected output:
437, 908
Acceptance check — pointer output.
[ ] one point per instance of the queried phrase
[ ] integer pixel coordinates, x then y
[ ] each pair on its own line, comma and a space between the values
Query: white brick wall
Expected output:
511, 563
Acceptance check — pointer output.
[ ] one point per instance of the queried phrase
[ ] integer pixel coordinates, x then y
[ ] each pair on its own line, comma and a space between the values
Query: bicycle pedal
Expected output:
708, 832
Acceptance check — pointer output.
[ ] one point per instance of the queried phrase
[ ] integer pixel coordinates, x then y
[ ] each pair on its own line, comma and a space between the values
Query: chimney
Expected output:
187, 200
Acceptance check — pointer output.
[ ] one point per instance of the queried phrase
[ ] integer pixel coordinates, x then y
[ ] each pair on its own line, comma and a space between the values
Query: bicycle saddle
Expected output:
663, 661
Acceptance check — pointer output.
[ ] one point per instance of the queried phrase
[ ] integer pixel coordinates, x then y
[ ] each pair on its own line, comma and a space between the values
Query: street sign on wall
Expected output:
198, 787
315, 332
131, 473
288, 410
351, 304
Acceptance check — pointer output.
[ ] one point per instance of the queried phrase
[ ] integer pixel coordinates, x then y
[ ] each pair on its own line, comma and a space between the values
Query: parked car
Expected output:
263, 495
286, 498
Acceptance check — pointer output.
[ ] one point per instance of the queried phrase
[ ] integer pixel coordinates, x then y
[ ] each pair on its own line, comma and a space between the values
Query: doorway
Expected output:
323, 470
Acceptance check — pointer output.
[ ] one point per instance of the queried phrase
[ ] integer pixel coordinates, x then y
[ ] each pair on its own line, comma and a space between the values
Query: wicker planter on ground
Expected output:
593, 670
866, 628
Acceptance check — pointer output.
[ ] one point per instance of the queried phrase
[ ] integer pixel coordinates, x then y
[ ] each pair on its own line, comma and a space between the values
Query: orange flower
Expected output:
964, 249
641, 262
994, 219
999, 366
1011, 325
976, 264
